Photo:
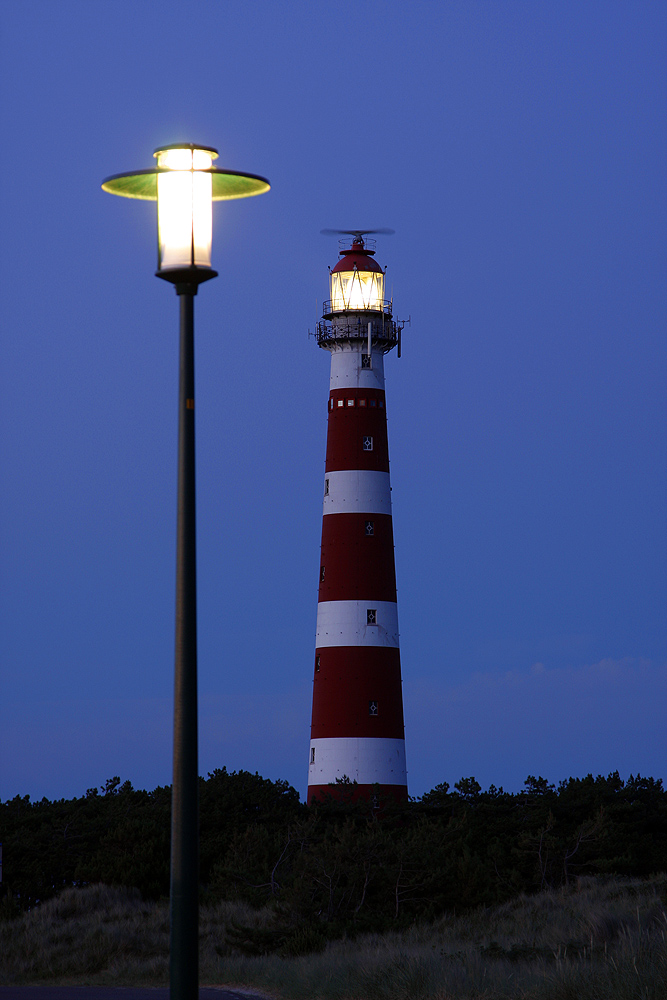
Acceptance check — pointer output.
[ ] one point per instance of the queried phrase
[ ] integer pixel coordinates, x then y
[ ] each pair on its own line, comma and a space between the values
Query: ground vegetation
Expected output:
282, 883
598, 938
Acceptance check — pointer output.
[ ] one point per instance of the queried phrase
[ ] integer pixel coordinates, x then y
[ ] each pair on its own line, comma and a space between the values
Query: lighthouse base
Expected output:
377, 794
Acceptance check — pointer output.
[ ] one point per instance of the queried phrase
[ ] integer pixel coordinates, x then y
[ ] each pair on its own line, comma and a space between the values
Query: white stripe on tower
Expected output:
345, 623
357, 491
346, 370
371, 760
357, 724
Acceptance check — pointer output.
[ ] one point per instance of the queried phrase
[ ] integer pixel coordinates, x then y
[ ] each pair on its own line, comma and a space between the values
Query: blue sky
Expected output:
518, 150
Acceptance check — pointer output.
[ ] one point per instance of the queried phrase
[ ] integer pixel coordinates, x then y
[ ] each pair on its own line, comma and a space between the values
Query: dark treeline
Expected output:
340, 866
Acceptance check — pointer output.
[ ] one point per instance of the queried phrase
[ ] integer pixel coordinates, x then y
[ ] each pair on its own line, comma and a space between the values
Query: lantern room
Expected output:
357, 281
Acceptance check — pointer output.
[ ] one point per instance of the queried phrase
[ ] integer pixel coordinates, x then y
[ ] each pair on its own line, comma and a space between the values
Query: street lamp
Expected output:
185, 183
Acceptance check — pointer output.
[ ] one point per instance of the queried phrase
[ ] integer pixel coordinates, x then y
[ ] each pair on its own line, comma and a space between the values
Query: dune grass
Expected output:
601, 939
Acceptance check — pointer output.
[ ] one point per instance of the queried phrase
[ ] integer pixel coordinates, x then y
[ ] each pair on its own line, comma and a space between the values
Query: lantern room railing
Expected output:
378, 306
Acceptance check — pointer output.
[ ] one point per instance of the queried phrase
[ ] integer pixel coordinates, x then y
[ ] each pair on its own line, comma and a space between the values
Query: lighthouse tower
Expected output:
357, 723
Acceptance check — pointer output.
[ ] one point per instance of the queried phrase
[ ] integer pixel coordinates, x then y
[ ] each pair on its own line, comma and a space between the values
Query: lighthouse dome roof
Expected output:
357, 257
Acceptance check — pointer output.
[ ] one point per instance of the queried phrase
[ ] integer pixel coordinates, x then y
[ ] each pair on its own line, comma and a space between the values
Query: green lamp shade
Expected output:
225, 184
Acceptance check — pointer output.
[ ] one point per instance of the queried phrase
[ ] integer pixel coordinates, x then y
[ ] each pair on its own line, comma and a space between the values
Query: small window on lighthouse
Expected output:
370, 527
373, 402
368, 443
371, 616
373, 708
340, 402
365, 361
326, 487
321, 574
350, 402
331, 404
317, 664
312, 755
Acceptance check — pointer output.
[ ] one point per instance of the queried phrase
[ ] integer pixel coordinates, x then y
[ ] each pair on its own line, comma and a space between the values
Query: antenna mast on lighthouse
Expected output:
357, 733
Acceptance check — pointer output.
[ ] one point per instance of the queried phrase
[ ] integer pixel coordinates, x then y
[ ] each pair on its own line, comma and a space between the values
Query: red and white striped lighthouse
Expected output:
357, 724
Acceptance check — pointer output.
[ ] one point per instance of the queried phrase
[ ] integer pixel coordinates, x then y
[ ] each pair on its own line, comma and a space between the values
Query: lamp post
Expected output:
185, 183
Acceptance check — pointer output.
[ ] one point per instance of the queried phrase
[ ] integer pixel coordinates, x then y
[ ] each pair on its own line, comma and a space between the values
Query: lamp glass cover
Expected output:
357, 290
184, 208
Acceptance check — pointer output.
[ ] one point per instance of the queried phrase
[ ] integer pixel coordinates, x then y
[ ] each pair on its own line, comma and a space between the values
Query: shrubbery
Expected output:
339, 868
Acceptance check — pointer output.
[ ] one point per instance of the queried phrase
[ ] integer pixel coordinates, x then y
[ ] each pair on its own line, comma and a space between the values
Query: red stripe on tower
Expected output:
357, 730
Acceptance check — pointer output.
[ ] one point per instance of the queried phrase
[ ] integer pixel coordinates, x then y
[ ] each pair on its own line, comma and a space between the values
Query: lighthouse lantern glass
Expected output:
184, 206
357, 290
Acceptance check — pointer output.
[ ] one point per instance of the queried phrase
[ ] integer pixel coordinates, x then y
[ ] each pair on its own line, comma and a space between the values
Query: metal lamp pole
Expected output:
184, 885
184, 184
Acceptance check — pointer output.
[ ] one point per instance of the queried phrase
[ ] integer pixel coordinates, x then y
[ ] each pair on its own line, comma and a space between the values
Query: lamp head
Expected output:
185, 183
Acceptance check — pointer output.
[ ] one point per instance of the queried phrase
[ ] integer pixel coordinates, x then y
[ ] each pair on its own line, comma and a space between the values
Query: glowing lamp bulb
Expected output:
184, 207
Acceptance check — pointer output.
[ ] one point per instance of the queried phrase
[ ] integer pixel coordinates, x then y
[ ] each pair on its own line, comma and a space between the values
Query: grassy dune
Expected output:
601, 939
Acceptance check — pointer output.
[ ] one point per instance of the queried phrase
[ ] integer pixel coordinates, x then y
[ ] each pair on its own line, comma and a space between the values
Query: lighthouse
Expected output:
357, 734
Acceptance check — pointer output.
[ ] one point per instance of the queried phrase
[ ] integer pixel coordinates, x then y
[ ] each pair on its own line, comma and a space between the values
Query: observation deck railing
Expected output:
385, 334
